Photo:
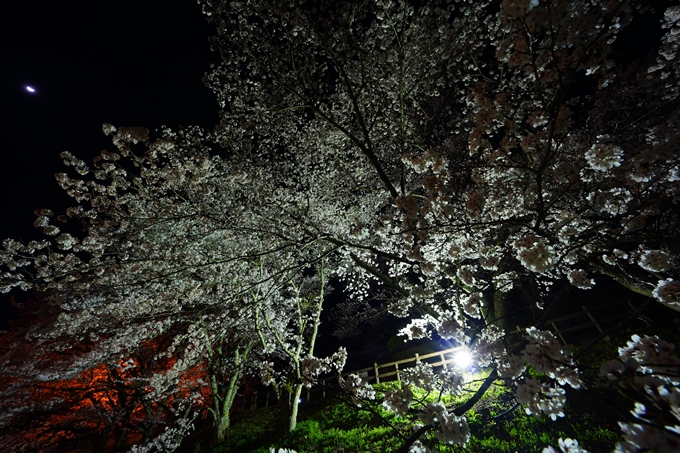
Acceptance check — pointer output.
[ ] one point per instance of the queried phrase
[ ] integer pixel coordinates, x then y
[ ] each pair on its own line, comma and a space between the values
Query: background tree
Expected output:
227, 361
119, 285
106, 406
288, 328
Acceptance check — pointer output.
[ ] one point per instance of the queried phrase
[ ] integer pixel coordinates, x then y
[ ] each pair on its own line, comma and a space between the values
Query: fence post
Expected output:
396, 367
592, 318
558, 332
417, 358
266, 402
377, 376
443, 361
308, 388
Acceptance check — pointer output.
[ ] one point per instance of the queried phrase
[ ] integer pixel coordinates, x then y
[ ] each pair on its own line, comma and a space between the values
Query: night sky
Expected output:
129, 63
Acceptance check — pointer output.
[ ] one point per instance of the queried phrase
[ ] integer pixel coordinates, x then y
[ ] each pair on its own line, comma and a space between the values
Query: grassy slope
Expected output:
335, 427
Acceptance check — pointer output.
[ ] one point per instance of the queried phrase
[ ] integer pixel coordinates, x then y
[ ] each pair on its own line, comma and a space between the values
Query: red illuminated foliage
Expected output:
106, 408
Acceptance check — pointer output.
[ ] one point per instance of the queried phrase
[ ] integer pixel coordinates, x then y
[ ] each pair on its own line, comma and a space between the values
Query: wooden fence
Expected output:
379, 372
599, 317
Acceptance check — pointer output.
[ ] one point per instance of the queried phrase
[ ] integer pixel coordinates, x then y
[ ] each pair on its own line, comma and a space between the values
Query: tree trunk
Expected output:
284, 401
223, 422
222, 427
102, 438
122, 440
222, 411
500, 310
293, 407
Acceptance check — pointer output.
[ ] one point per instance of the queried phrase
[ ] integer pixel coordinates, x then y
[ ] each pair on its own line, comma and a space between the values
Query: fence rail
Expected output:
598, 317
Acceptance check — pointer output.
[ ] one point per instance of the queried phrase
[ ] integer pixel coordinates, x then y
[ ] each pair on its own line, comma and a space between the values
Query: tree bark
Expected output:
637, 286
293, 407
500, 310
222, 419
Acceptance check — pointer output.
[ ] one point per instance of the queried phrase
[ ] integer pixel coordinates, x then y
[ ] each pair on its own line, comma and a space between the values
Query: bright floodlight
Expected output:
30, 89
462, 358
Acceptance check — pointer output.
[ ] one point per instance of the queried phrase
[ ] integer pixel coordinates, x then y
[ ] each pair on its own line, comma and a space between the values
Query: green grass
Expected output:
331, 426
252, 430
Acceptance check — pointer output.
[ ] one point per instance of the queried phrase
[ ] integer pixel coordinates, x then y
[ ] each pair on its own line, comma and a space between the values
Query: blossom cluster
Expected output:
449, 428
668, 290
648, 372
655, 261
357, 388
398, 400
535, 254
603, 157
452, 429
566, 445
169, 440
541, 397
312, 367
579, 278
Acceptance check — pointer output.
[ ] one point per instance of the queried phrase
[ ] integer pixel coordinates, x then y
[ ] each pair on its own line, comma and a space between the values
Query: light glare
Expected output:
30, 89
462, 358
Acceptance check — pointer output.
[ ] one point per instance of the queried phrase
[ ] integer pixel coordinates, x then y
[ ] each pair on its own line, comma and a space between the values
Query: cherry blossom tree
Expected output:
119, 286
106, 406
455, 163
493, 143
224, 373
288, 335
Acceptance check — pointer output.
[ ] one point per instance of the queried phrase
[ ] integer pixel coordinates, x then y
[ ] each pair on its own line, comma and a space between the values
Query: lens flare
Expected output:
462, 358
30, 89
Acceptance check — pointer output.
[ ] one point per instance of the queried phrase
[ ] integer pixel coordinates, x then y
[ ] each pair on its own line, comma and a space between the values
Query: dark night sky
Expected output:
129, 63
